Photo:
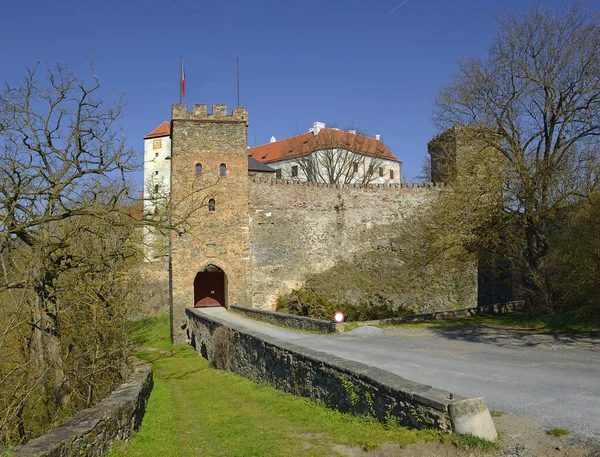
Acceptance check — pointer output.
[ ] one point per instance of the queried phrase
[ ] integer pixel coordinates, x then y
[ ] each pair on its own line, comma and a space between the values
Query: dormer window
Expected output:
198, 169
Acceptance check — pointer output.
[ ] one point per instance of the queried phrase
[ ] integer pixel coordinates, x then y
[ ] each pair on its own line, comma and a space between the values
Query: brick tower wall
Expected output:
221, 237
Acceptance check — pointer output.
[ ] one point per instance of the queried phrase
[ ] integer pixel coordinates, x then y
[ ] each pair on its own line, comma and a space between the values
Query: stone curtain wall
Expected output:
297, 229
153, 290
220, 237
90, 432
336, 382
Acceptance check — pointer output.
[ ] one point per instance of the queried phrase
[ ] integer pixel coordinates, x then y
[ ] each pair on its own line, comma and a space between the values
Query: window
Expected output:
294, 171
156, 173
381, 172
223, 170
211, 205
355, 165
278, 174
198, 169
156, 154
156, 188
391, 174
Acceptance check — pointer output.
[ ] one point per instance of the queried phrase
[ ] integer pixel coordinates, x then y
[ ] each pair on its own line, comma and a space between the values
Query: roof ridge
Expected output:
279, 141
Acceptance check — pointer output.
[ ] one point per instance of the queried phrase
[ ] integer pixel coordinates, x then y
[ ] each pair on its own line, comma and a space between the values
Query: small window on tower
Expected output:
198, 169
156, 172
355, 165
156, 188
294, 171
381, 172
278, 174
212, 205
391, 174
223, 170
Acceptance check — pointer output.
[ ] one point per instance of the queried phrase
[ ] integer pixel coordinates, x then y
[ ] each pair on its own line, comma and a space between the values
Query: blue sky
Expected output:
340, 62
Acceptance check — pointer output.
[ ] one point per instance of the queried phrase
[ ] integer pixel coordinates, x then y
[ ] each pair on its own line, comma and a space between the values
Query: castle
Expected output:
249, 238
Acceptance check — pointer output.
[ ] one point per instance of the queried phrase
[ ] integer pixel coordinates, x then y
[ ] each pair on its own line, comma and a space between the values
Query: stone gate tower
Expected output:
209, 263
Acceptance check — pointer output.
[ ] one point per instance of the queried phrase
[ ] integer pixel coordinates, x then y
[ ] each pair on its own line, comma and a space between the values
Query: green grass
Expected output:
195, 409
472, 443
558, 432
562, 323
349, 326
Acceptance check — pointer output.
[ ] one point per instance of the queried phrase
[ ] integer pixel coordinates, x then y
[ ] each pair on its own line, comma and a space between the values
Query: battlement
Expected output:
199, 113
404, 186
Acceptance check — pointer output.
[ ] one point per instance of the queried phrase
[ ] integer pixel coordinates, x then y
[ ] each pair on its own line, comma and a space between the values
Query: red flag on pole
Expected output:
182, 80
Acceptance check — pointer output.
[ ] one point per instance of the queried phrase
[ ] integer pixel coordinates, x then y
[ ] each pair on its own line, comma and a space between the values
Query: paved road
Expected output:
554, 381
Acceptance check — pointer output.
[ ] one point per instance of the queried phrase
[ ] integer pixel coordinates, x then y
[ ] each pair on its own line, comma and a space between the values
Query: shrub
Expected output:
223, 348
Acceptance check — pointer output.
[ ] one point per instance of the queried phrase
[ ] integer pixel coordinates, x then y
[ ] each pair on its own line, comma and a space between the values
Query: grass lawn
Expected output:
564, 324
195, 409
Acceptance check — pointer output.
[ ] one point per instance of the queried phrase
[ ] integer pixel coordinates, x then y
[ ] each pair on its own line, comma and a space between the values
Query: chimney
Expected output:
317, 126
273, 139
378, 137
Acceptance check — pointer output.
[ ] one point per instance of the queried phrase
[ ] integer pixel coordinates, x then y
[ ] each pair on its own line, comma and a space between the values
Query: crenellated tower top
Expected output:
199, 112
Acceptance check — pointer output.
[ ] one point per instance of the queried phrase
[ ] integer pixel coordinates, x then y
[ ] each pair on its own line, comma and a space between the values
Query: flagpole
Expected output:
181, 81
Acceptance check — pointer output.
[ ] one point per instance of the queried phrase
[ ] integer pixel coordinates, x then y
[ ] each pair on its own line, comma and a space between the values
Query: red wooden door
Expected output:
209, 288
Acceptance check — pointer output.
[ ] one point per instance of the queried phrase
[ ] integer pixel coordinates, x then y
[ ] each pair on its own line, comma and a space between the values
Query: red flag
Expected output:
182, 79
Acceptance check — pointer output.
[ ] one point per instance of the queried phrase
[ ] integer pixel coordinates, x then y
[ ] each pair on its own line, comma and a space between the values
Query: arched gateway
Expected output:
210, 287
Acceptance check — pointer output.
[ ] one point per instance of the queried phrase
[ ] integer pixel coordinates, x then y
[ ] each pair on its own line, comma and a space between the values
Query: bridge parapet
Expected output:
340, 383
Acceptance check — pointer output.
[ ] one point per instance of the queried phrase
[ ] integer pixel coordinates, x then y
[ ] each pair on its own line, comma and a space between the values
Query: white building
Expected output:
330, 156
157, 184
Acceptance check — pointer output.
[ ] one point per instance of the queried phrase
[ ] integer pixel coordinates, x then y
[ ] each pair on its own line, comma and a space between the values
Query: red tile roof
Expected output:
163, 129
304, 144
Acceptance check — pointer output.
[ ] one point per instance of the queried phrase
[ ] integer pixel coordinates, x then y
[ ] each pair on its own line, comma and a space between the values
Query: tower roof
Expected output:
163, 129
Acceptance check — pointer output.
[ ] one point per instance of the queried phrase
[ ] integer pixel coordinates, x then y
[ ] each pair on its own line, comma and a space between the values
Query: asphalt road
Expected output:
554, 381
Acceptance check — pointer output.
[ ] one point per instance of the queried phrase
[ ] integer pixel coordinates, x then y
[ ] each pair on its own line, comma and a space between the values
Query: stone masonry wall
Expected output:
153, 291
288, 320
338, 383
297, 229
217, 238
90, 432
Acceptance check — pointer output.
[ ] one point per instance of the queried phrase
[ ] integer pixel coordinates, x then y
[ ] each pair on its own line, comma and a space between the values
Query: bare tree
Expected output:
337, 157
69, 248
63, 179
535, 101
